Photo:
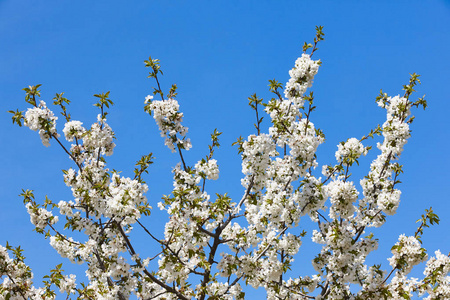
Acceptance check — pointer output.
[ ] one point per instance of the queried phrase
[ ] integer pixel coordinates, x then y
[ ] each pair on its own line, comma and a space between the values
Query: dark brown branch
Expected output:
148, 232
182, 158
152, 277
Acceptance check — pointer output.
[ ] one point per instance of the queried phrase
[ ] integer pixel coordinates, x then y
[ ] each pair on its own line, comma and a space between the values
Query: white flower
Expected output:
73, 129
41, 119
209, 168
407, 253
302, 76
168, 118
349, 151
342, 196
148, 99
101, 137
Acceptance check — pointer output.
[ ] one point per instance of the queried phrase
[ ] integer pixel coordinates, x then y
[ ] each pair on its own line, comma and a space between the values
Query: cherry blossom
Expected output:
213, 246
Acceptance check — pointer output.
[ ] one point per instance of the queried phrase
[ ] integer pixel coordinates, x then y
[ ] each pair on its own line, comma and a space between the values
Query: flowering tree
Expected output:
213, 246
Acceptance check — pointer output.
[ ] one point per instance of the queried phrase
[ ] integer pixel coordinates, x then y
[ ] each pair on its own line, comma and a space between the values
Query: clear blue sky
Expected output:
219, 53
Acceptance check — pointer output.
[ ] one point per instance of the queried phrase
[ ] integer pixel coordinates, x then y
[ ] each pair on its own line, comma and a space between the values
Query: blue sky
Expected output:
219, 53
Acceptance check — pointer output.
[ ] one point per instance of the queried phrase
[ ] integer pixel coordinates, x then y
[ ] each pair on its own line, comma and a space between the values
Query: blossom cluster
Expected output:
342, 195
350, 151
301, 77
407, 253
168, 118
208, 168
40, 118
437, 281
379, 190
73, 129
40, 217
18, 278
100, 137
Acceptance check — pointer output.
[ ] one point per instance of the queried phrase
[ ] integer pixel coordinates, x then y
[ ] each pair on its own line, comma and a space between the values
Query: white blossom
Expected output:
73, 129
350, 150
42, 119
209, 168
168, 118
302, 76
